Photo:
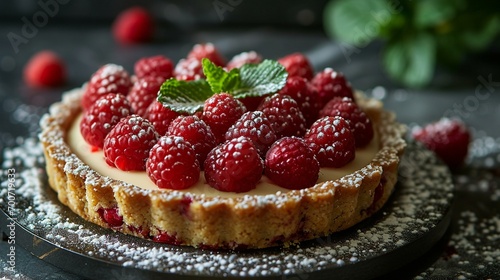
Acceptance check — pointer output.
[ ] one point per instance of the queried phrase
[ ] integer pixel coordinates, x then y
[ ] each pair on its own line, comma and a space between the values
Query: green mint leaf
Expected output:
250, 80
260, 79
219, 79
184, 96
357, 22
411, 59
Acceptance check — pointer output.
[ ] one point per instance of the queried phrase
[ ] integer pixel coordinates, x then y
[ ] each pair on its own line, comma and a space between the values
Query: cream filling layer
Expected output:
95, 159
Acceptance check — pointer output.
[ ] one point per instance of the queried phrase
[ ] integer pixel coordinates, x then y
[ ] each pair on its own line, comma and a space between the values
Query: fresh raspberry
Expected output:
291, 164
45, 69
284, 114
158, 66
196, 132
209, 51
134, 25
160, 116
110, 78
448, 138
220, 112
111, 216
101, 117
330, 84
143, 93
189, 69
172, 164
234, 166
127, 145
256, 127
244, 58
297, 64
360, 124
299, 89
332, 141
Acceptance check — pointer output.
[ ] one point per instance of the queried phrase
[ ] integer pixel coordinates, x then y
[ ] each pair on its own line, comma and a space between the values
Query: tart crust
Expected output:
256, 221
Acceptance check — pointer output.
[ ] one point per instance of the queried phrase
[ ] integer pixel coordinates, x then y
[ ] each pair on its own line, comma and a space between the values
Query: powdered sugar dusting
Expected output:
419, 204
472, 251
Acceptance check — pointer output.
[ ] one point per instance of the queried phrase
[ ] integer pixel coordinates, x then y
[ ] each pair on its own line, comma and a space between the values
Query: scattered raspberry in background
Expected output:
330, 84
143, 93
361, 126
331, 140
196, 132
291, 164
172, 163
127, 145
157, 66
160, 116
134, 25
448, 138
297, 64
220, 112
284, 114
110, 78
244, 58
102, 116
234, 166
45, 69
200, 51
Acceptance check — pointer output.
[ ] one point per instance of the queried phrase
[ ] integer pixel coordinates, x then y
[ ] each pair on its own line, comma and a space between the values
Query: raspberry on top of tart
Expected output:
200, 147
229, 142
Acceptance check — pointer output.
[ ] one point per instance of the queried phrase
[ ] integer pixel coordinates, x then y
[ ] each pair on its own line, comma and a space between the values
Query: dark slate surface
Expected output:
466, 94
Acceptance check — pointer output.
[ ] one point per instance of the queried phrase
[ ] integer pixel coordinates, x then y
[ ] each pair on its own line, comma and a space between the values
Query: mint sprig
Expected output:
249, 80
219, 79
260, 79
184, 96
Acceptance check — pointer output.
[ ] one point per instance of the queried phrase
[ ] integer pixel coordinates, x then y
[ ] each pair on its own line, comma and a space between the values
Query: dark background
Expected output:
80, 34
182, 13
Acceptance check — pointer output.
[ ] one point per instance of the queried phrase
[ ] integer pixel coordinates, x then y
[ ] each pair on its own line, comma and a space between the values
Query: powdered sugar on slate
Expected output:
421, 200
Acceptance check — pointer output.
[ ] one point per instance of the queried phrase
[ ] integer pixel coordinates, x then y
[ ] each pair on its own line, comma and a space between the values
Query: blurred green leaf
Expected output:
411, 59
449, 50
417, 33
429, 13
357, 22
478, 39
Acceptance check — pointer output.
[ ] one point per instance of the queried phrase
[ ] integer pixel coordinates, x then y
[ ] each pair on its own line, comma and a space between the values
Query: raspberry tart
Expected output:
208, 171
